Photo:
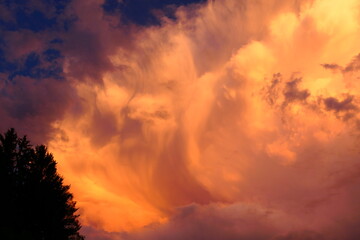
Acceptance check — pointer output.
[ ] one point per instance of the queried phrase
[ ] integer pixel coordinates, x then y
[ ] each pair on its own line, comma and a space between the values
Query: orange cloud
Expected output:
227, 107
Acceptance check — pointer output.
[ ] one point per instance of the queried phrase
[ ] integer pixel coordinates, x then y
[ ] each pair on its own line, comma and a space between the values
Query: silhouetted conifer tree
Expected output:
34, 202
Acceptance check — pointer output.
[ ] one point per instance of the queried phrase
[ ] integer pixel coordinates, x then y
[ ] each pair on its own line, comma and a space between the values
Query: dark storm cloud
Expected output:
91, 39
86, 58
34, 91
33, 15
32, 105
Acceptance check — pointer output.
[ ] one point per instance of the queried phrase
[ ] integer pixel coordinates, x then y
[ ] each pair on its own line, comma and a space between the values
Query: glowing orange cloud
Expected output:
237, 107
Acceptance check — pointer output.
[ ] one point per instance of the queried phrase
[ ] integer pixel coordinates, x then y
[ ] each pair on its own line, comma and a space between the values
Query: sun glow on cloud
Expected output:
237, 112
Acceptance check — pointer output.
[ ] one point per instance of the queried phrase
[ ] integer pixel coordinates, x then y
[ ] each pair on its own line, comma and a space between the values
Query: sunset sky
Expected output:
192, 119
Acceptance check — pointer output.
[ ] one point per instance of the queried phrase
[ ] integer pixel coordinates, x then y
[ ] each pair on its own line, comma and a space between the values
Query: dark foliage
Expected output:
34, 202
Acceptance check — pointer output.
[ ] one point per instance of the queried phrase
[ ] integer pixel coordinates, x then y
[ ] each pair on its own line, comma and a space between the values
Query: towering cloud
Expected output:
226, 120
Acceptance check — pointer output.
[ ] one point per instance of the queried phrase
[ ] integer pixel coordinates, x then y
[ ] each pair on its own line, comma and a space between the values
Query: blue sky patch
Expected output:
141, 12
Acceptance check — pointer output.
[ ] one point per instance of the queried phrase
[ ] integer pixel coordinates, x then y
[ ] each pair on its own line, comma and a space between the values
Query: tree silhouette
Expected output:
34, 202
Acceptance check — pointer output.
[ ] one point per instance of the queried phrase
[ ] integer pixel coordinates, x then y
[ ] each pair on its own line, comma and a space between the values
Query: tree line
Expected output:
35, 203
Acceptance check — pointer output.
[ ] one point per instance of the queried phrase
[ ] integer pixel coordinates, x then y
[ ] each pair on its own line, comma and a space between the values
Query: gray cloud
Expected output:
333, 104
292, 92
354, 65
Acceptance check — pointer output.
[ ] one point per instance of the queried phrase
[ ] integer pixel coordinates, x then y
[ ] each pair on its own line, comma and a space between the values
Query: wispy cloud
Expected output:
229, 119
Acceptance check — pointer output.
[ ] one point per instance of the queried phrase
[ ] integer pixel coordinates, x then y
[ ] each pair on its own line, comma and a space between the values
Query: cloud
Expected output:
304, 235
33, 105
331, 66
219, 123
186, 115
143, 12
212, 222
34, 92
354, 65
338, 106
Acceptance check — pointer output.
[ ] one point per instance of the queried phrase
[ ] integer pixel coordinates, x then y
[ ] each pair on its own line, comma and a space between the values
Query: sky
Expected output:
218, 119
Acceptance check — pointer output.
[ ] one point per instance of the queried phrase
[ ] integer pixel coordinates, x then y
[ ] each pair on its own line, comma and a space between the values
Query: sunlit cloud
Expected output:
236, 119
